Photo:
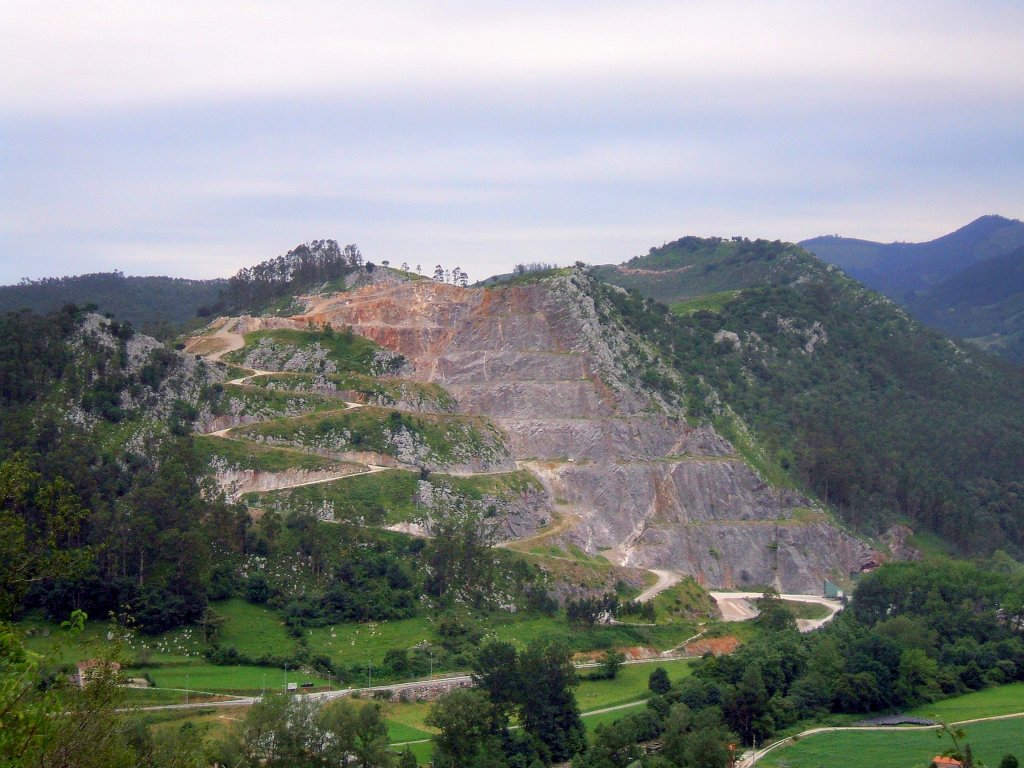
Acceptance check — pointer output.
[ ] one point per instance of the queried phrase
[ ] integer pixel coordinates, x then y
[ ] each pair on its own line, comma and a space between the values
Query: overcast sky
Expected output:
191, 138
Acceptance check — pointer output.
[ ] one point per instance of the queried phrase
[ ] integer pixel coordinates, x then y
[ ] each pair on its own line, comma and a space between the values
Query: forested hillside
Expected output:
966, 284
983, 303
694, 267
155, 305
101, 486
858, 403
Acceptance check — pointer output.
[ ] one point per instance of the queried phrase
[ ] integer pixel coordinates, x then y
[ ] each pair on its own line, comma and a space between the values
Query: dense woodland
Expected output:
883, 419
155, 305
302, 268
92, 521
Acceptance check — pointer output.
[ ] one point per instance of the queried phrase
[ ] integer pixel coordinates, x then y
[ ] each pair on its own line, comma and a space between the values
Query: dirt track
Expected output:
737, 606
227, 340
666, 579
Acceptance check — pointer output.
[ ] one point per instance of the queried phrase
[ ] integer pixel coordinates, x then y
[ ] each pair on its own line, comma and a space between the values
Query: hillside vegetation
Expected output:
156, 305
694, 267
967, 284
859, 404
983, 303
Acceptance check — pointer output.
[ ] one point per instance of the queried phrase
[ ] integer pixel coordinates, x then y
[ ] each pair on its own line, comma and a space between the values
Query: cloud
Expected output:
64, 55
205, 136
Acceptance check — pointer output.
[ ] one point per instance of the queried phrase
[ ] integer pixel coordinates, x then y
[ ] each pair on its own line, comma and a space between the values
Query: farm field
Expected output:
898, 748
256, 631
1002, 700
629, 685
237, 679
354, 643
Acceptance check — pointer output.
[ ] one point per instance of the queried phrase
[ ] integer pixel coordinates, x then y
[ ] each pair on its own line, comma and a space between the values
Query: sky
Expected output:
192, 138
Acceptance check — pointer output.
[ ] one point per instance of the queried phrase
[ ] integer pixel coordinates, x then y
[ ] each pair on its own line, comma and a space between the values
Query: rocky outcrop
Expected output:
648, 488
235, 482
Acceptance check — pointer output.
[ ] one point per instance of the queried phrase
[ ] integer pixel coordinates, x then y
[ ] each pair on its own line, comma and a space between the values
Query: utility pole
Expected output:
286, 675
186, 689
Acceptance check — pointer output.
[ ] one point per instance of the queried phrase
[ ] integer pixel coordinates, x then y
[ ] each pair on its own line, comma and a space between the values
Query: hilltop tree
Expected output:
774, 615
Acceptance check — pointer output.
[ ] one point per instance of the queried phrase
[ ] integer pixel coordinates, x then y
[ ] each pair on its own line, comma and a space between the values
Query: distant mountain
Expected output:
983, 303
900, 269
145, 302
966, 284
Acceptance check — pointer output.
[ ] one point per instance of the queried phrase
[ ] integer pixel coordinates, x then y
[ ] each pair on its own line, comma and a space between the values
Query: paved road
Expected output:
240, 701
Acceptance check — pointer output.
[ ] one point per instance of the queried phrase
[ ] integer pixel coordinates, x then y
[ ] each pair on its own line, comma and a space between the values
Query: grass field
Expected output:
145, 697
238, 679
256, 631
629, 685
897, 749
405, 721
355, 644
661, 637
265, 458
803, 610
252, 629
390, 496
711, 302
1003, 700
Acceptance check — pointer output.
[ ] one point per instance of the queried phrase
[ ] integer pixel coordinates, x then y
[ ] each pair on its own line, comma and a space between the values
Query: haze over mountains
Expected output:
966, 284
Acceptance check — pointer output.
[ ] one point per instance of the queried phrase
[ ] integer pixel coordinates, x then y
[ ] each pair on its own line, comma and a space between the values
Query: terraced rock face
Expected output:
637, 478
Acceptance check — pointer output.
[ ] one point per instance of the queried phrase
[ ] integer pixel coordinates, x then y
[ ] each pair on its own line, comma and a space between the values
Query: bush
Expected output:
257, 590
658, 682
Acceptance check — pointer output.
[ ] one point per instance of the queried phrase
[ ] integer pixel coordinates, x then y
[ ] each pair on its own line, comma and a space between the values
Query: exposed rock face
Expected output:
235, 482
640, 480
186, 375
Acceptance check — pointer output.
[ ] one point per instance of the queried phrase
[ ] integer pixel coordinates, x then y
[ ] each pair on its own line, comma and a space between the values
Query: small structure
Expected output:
941, 761
86, 671
832, 592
